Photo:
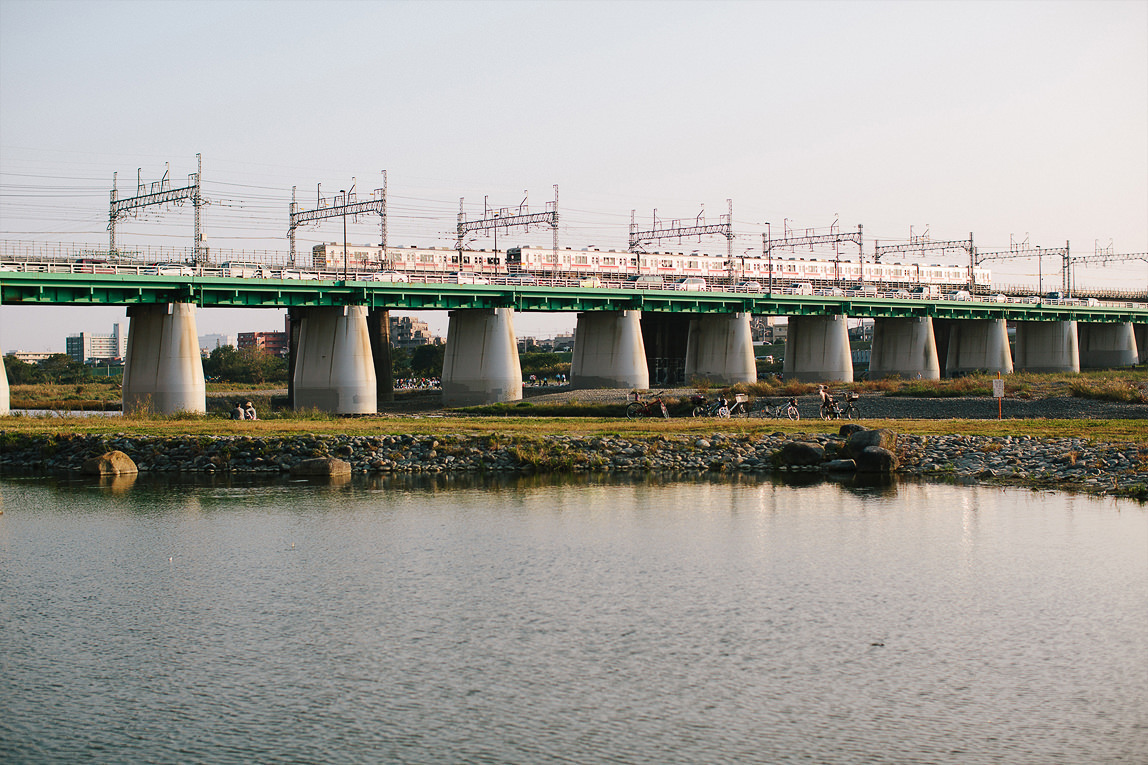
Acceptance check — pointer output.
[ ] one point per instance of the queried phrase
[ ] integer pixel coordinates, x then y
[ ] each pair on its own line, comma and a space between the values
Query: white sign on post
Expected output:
998, 388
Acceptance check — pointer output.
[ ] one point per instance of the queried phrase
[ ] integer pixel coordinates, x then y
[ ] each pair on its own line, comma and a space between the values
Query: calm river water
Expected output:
594, 621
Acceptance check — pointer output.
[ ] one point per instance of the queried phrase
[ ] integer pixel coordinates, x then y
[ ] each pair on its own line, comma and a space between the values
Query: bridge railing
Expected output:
252, 268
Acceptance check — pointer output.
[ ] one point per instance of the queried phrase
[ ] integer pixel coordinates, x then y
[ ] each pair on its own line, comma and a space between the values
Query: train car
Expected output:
618, 265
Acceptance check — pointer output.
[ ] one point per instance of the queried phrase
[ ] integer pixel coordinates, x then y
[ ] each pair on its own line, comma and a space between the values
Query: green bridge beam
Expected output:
29, 288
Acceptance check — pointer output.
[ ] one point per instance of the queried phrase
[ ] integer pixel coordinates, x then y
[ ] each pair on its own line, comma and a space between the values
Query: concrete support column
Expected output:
609, 351
1104, 346
334, 371
379, 329
163, 371
5, 398
1141, 332
817, 349
978, 345
720, 349
481, 364
1047, 346
905, 347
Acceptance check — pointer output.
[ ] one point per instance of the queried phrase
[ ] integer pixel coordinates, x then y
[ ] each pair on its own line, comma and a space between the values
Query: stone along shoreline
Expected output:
1060, 463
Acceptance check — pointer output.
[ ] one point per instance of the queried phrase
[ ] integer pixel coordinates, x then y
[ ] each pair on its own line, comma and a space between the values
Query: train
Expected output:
621, 265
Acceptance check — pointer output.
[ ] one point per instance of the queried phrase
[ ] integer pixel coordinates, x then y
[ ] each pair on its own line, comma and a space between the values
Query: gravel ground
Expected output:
899, 407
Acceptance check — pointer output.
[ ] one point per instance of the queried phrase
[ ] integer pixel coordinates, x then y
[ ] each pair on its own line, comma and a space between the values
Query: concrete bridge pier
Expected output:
977, 345
481, 364
906, 347
817, 349
720, 349
1103, 346
1141, 332
379, 330
5, 398
333, 370
609, 351
1047, 346
163, 370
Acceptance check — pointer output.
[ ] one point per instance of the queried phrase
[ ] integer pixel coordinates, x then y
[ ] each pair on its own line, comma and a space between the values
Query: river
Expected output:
598, 620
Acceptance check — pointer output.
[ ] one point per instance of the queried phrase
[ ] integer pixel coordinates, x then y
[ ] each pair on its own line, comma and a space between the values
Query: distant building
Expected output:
556, 344
32, 357
409, 332
765, 329
88, 347
274, 343
208, 343
863, 331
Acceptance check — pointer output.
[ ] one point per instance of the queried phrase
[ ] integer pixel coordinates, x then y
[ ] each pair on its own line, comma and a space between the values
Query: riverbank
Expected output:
1073, 463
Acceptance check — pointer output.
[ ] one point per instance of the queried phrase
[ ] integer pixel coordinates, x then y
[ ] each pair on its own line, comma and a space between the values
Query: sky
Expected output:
1017, 122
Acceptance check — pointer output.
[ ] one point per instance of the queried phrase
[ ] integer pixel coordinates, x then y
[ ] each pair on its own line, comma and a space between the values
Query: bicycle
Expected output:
649, 408
788, 409
830, 410
705, 408
850, 411
740, 406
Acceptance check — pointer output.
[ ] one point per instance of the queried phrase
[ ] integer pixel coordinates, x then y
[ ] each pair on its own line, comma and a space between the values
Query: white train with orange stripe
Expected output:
619, 264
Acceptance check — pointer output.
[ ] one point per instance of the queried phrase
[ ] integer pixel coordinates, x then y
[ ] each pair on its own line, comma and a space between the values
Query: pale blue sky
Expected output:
1026, 119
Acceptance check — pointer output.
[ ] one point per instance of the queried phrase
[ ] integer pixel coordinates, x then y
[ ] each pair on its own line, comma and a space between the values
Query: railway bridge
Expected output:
340, 353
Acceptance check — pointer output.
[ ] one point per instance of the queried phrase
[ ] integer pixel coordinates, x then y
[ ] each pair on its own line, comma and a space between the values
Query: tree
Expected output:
21, 372
427, 360
250, 365
61, 368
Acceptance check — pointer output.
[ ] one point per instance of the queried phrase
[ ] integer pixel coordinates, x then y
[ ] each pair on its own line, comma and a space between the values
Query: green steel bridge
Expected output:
33, 288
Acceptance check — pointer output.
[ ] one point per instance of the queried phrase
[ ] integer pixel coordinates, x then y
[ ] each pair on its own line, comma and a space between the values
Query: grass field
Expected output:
527, 427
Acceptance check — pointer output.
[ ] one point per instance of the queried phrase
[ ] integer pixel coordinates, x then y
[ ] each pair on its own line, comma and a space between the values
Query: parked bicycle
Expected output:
787, 409
649, 408
850, 410
703, 407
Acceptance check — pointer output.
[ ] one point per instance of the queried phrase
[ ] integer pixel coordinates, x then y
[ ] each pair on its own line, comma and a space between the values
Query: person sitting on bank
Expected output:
250, 412
238, 413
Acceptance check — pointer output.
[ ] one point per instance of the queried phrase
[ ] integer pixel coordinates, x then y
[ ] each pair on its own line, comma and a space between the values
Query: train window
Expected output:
609, 261
581, 260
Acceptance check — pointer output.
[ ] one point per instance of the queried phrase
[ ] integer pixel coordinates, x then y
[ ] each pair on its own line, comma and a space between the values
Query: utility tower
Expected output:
503, 218
919, 245
675, 230
810, 238
340, 206
159, 193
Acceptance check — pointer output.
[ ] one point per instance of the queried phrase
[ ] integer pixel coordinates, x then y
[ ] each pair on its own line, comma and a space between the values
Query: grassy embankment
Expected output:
527, 428
527, 420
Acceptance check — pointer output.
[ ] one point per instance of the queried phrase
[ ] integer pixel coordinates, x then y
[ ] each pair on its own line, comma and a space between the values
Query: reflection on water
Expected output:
603, 618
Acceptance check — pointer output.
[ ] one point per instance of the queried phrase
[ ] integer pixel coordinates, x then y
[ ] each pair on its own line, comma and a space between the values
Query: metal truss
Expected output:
724, 227
1025, 251
504, 219
920, 247
1100, 256
342, 205
159, 193
922, 244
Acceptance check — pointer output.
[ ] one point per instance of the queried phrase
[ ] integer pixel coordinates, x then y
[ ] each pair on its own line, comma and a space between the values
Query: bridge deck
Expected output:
30, 288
